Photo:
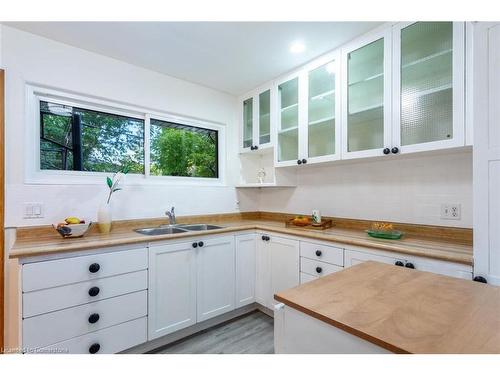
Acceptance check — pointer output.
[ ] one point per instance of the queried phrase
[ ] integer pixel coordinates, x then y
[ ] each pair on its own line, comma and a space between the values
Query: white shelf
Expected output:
263, 185
368, 108
288, 130
289, 107
427, 58
322, 95
321, 120
371, 78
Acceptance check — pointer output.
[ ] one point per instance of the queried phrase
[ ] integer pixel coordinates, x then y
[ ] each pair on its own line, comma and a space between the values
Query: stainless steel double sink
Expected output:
176, 228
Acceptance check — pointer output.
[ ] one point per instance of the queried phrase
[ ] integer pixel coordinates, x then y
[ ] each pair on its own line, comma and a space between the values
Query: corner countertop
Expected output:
47, 241
404, 310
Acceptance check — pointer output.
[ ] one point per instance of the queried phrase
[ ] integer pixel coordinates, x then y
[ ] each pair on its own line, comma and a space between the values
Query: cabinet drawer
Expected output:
324, 253
47, 329
58, 298
305, 278
312, 267
51, 273
107, 341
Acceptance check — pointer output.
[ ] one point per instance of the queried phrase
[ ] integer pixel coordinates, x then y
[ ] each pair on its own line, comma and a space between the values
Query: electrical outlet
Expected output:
450, 211
33, 210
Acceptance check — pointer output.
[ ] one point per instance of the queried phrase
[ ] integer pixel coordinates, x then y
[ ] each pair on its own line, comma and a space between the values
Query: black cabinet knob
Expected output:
480, 279
94, 318
318, 253
304, 161
395, 150
94, 291
195, 244
255, 147
386, 151
319, 269
94, 267
200, 244
299, 162
399, 263
409, 265
94, 348
264, 238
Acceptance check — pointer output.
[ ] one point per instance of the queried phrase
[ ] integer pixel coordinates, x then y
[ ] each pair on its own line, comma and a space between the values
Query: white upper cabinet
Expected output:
366, 96
397, 89
322, 131
308, 114
257, 121
428, 86
290, 113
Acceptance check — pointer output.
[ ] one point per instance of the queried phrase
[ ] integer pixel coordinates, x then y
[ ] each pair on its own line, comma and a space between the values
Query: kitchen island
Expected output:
376, 308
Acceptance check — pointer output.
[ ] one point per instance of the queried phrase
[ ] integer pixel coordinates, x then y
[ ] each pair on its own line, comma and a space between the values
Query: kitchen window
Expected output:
182, 150
79, 140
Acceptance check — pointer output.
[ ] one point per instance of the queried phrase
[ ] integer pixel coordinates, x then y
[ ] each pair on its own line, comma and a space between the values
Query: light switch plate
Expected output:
32, 210
451, 211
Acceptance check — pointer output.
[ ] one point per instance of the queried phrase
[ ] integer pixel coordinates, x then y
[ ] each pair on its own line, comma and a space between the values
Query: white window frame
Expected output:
35, 175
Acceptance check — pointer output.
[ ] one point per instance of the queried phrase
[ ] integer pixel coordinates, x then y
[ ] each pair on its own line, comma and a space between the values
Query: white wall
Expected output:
403, 190
33, 59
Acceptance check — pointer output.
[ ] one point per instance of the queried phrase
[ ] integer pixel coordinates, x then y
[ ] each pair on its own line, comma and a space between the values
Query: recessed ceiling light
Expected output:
297, 47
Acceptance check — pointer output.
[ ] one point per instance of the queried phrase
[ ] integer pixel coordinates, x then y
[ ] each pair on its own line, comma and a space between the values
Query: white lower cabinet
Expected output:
106, 341
462, 271
277, 267
216, 277
172, 288
263, 290
305, 277
298, 333
245, 269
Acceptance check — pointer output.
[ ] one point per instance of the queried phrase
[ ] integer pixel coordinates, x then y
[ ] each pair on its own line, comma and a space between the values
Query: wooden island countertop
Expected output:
404, 310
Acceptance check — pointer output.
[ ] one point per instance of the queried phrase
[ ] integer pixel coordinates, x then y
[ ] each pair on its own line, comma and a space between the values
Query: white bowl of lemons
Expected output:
72, 227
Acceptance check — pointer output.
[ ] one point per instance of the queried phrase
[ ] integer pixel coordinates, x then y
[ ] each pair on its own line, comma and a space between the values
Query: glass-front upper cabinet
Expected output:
366, 112
323, 111
428, 86
287, 150
248, 123
257, 121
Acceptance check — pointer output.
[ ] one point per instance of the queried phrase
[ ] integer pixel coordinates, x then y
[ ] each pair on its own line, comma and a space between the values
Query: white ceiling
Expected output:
234, 57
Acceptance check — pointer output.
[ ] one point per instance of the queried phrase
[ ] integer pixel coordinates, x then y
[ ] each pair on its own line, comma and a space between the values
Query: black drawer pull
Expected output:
480, 279
409, 265
319, 269
195, 245
399, 263
94, 291
94, 267
318, 253
94, 318
200, 244
94, 348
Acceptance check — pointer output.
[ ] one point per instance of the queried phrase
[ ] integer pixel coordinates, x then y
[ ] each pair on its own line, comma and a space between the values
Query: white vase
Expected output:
104, 218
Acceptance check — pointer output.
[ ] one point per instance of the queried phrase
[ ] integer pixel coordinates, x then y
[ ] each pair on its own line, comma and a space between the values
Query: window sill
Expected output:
98, 178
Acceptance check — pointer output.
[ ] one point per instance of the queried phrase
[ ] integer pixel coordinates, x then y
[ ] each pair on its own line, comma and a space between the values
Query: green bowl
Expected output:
390, 235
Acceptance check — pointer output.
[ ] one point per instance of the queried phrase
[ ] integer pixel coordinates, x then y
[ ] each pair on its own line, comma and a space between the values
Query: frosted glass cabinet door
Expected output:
365, 100
321, 111
366, 90
265, 117
288, 121
248, 123
428, 81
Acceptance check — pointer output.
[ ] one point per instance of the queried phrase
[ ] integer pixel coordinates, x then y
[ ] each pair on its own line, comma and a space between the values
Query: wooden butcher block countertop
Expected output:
404, 310
442, 243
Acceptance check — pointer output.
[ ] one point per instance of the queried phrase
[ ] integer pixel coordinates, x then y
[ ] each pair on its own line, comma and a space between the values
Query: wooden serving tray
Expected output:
325, 224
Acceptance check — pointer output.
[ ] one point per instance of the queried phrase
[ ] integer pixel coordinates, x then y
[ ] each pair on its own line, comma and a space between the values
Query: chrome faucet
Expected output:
171, 215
